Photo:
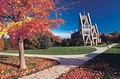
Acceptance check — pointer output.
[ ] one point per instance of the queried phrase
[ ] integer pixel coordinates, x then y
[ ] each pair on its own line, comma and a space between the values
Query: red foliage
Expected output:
57, 39
82, 73
18, 10
9, 66
32, 27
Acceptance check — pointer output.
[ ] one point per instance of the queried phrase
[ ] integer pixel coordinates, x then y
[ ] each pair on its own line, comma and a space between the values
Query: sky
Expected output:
106, 13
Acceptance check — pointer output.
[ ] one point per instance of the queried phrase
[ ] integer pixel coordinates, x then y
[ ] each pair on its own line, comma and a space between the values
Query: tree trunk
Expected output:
21, 54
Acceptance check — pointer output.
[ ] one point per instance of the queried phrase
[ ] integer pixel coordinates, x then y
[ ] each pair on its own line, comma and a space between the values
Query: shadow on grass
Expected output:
2, 57
3, 60
105, 62
117, 47
9, 64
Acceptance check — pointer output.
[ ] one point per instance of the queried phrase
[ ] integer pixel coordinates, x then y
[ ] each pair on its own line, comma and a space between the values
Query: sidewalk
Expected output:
67, 62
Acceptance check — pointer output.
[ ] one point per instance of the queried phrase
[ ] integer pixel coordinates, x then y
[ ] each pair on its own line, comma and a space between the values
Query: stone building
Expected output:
88, 33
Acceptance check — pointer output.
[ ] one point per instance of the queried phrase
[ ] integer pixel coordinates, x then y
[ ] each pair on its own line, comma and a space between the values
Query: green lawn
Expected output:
57, 50
101, 45
115, 49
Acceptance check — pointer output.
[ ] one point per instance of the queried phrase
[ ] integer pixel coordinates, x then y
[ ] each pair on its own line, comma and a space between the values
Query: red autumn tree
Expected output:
18, 11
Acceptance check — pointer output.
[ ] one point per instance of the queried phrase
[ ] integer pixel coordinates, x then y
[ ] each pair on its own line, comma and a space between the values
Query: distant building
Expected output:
88, 33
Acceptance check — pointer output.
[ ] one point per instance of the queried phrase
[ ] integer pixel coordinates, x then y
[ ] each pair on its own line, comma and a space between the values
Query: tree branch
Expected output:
65, 6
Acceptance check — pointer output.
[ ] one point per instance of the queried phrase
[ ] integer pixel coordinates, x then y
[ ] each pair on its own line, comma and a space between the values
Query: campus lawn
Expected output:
114, 50
103, 66
101, 45
9, 66
57, 50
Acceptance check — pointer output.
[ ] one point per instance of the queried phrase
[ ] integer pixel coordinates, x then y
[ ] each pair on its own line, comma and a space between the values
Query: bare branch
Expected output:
65, 6
9, 2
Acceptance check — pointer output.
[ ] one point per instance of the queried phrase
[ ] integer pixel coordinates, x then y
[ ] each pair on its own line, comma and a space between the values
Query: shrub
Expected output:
6, 43
65, 42
76, 42
28, 44
45, 42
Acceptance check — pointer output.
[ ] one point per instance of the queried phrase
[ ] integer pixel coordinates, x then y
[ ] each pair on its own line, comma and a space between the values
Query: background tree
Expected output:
76, 42
56, 40
65, 42
111, 37
36, 42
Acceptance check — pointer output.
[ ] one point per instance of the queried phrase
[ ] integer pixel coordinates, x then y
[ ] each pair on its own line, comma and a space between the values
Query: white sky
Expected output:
63, 35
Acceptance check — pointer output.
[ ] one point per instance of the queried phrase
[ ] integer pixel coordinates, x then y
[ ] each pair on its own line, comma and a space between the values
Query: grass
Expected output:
57, 50
115, 49
101, 45
9, 66
104, 66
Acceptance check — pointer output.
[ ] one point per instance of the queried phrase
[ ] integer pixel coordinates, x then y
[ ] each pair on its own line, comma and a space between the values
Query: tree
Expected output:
36, 42
18, 11
65, 42
45, 42
3, 30
56, 40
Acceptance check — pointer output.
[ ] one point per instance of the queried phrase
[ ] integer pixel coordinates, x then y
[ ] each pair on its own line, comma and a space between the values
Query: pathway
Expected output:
67, 62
